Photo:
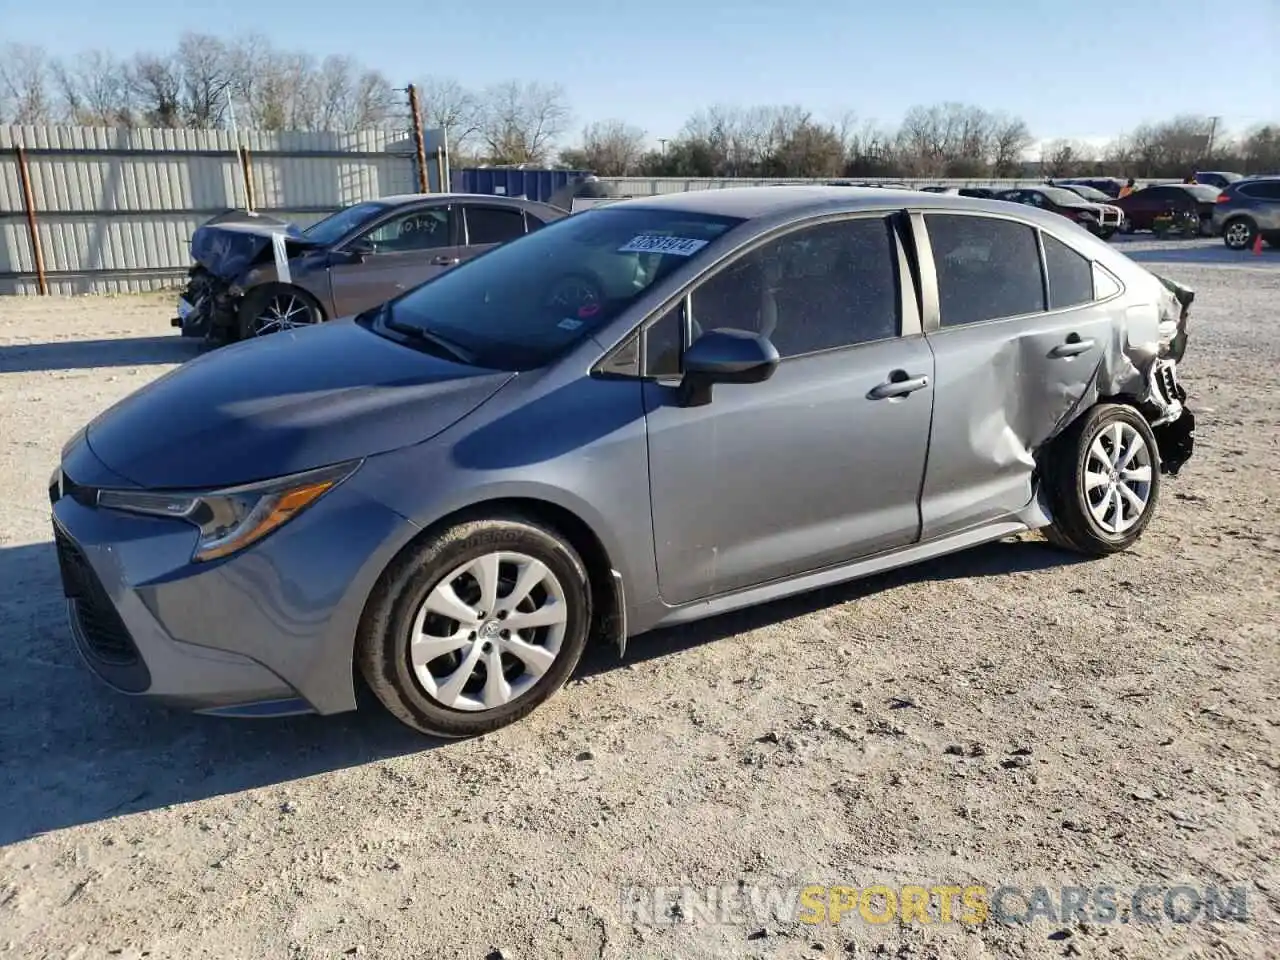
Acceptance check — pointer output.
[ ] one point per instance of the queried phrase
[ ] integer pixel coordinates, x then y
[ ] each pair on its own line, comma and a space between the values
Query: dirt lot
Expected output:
1004, 717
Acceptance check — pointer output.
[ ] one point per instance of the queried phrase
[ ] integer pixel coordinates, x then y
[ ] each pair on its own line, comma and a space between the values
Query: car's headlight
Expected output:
232, 518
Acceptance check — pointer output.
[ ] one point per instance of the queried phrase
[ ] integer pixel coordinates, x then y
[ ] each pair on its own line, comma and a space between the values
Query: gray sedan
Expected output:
644, 414
254, 275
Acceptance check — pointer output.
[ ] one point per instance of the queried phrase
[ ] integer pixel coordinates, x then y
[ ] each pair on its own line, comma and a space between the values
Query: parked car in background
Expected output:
1246, 208
1111, 186
985, 193
256, 275
1143, 206
591, 432
1101, 219
1084, 191
1217, 178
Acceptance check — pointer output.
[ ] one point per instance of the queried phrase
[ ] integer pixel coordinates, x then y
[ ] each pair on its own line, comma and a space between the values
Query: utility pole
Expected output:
419, 147
1213, 128
663, 143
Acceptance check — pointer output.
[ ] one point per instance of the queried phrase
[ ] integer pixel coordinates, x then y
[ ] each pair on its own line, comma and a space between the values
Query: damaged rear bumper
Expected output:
1172, 421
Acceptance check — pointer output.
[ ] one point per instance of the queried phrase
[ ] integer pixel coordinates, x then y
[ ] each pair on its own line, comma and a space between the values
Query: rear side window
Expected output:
987, 268
493, 224
1070, 275
1265, 190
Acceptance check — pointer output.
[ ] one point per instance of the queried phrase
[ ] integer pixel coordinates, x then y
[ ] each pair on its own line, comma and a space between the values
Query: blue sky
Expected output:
1084, 69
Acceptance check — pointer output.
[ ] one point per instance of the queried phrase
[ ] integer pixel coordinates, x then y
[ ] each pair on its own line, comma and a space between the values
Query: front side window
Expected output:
415, 230
987, 268
525, 302
487, 225
817, 288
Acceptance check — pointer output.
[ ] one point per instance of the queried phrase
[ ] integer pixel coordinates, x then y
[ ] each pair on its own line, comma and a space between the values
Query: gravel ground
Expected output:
1007, 716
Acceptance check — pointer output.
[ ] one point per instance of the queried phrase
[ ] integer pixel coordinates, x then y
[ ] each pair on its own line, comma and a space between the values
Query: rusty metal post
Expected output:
418, 143
246, 168
28, 199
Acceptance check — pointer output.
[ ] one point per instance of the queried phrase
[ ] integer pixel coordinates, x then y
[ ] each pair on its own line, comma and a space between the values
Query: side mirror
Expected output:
725, 356
358, 249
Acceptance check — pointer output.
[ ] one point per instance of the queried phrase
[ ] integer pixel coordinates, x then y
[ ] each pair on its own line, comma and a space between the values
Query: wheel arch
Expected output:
608, 604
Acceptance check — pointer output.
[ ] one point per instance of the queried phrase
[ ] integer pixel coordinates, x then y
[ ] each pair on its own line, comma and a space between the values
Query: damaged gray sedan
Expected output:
640, 415
254, 274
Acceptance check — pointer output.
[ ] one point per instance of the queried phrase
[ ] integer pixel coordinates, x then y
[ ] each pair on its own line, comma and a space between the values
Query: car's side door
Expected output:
485, 226
1016, 352
396, 254
817, 465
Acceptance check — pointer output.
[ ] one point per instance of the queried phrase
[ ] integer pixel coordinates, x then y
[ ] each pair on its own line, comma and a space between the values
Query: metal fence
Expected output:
99, 210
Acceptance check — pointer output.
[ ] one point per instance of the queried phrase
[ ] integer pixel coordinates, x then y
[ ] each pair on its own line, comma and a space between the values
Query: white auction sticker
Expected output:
676, 246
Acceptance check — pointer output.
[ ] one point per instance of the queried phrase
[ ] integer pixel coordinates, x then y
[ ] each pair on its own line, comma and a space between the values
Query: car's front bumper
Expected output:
266, 631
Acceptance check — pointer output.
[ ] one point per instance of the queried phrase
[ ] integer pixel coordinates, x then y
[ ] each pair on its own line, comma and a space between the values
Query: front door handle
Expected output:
444, 261
899, 384
1073, 347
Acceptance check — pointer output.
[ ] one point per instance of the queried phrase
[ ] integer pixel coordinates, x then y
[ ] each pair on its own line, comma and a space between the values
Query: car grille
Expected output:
103, 630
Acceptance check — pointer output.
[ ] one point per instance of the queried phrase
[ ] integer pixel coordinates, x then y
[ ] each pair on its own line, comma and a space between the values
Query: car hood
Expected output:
229, 247
288, 402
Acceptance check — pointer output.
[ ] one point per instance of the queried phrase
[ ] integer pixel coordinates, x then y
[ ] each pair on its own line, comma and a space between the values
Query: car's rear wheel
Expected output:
473, 628
1238, 233
1104, 481
275, 308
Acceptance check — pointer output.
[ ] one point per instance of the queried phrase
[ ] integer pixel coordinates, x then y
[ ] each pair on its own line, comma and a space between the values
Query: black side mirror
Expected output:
725, 356
358, 249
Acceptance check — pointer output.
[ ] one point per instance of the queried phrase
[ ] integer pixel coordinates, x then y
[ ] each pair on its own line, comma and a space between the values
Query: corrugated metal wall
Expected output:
115, 209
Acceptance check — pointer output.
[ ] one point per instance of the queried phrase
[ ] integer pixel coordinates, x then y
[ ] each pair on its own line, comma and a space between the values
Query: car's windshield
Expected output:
1089, 193
337, 225
522, 304
1062, 196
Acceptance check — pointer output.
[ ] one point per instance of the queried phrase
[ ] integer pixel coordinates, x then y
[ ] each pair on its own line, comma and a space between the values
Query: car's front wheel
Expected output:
474, 627
1104, 480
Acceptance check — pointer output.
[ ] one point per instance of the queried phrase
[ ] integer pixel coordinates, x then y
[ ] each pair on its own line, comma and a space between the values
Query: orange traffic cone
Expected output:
1257, 244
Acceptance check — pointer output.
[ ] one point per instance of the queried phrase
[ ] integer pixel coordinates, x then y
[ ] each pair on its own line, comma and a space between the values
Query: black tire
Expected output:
1238, 233
382, 645
1074, 525
285, 298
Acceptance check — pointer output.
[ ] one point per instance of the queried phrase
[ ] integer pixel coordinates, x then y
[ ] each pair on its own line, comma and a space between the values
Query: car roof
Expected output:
751, 203
403, 198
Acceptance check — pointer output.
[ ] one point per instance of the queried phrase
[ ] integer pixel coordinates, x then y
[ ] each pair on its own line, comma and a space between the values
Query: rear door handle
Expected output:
444, 261
1072, 348
899, 384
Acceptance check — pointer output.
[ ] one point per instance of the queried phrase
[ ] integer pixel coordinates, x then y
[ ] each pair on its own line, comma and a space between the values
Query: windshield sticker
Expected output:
676, 246
568, 323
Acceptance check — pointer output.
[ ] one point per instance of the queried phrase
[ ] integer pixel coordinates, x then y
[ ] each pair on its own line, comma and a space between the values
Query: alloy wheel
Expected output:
284, 311
1117, 477
488, 631
1237, 235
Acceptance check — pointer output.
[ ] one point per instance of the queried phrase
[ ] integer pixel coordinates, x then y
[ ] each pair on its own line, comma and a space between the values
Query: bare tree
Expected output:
204, 66
520, 122
447, 105
24, 84
94, 88
1010, 141
1260, 149
610, 148
1066, 158
156, 85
